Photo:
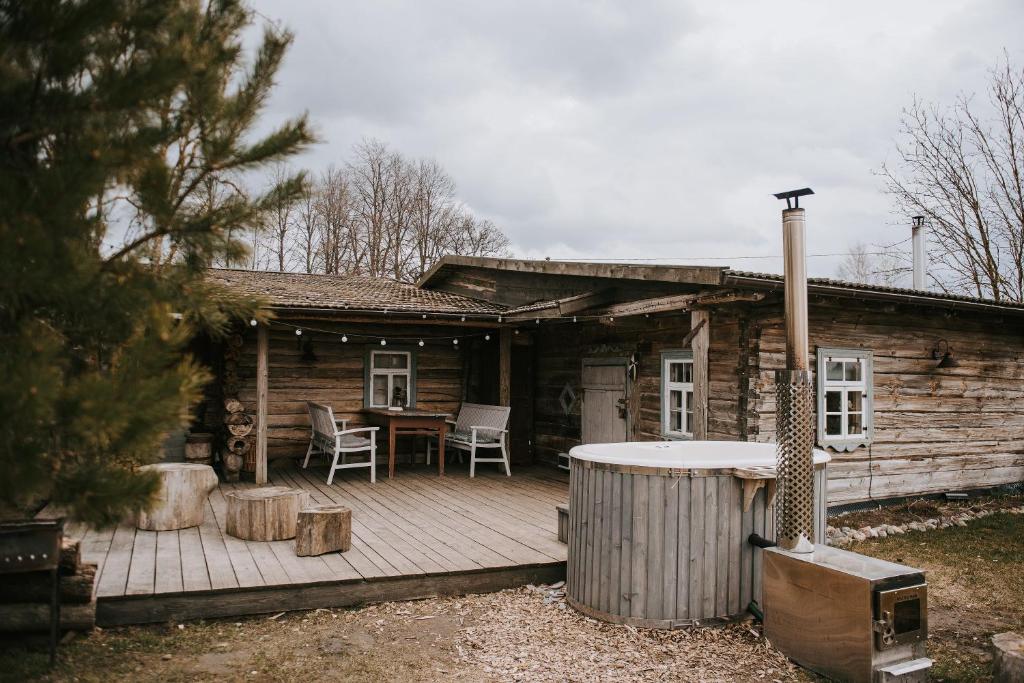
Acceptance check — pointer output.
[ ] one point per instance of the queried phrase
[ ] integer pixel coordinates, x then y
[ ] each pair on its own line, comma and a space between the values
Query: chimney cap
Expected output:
792, 197
918, 221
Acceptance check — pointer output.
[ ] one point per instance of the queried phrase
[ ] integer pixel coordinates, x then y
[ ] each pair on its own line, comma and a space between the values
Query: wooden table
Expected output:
410, 421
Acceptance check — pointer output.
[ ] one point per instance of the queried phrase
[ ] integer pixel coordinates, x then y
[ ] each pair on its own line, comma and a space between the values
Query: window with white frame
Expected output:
677, 394
390, 379
845, 398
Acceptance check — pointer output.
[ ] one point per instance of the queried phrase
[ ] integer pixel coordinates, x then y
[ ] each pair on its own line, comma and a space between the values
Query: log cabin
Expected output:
918, 392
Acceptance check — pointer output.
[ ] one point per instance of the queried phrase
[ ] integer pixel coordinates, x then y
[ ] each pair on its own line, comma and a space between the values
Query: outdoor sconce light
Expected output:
942, 354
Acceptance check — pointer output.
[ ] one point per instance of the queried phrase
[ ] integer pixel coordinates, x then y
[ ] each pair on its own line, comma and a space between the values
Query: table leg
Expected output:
391, 449
440, 448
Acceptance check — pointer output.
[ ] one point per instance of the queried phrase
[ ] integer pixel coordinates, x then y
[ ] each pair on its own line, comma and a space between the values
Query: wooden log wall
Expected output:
336, 376
935, 429
560, 351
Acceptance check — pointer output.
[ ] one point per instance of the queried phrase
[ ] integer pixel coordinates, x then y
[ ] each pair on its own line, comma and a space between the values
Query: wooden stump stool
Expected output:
265, 514
179, 503
323, 529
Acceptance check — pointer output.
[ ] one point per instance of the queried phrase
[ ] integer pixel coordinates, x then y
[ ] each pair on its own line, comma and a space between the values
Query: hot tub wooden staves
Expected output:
664, 547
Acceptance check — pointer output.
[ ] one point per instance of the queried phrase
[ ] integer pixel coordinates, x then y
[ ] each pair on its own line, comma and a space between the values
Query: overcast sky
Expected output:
637, 130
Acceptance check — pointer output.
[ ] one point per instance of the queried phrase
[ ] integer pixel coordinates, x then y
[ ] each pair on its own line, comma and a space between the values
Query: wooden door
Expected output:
605, 416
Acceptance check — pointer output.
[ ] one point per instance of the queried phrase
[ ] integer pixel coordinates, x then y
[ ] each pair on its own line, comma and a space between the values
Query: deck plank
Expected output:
194, 574
247, 573
142, 568
168, 563
218, 563
114, 578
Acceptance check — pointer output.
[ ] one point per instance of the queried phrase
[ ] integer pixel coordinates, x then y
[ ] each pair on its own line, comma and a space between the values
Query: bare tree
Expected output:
308, 229
281, 217
873, 266
962, 167
339, 244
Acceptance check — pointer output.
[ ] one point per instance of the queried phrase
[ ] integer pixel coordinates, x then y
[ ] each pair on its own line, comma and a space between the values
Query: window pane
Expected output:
834, 370
380, 390
689, 422
854, 423
680, 372
390, 361
689, 401
854, 400
400, 390
675, 400
834, 425
853, 371
833, 401
675, 421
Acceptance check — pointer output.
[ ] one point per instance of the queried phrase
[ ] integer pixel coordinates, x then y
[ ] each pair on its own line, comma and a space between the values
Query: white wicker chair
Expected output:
479, 426
336, 443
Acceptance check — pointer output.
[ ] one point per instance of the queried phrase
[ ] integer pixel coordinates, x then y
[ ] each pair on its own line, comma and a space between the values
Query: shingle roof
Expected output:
345, 292
881, 289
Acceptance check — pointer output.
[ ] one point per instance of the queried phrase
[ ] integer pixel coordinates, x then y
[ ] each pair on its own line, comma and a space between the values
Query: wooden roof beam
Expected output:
569, 305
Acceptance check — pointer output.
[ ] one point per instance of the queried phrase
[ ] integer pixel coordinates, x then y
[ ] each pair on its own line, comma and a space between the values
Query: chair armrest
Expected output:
357, 429
450, 421
488, 429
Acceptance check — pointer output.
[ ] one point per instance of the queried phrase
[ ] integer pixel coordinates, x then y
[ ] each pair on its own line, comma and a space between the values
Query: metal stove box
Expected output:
847, 616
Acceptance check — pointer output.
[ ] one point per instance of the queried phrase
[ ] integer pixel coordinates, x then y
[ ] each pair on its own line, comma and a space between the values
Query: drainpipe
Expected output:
917, 232
794, 511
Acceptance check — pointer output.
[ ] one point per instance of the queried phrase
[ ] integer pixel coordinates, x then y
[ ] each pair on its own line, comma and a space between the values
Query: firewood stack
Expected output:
237, 423
25, 598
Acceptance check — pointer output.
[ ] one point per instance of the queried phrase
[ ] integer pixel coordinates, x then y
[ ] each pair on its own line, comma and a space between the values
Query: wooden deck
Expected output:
414, 536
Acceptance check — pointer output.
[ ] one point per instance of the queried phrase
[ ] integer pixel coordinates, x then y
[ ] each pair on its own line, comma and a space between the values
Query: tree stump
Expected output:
199, 448
265, 514
1007, 657
323, 529
182, 496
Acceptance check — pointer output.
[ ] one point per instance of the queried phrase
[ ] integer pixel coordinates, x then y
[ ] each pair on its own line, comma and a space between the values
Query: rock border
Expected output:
844, 535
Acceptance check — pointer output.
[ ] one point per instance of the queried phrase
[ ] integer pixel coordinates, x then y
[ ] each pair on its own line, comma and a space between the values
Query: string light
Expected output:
421, 342
424, 316
383, 342
455, 341
253, 322
517, 331
463, 318
344, 338
574, 318
499, 318
487, 337
298, 332
537, 321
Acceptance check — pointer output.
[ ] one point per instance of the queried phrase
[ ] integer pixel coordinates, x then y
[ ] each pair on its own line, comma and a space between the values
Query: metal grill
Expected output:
794, 503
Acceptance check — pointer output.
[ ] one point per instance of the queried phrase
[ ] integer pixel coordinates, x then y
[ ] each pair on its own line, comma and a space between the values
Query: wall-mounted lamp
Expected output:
944, 355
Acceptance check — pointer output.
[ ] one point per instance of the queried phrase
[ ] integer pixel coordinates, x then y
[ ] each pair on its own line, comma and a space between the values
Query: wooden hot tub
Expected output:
658, 530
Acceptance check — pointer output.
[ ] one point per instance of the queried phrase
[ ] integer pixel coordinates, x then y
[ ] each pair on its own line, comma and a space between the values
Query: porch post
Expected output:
505, 366
700, 343
262, 362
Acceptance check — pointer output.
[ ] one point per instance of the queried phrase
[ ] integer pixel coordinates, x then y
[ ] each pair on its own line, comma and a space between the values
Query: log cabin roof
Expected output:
465, 273
345, 292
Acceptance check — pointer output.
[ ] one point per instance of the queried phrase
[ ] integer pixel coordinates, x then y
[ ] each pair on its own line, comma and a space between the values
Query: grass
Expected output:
975, 588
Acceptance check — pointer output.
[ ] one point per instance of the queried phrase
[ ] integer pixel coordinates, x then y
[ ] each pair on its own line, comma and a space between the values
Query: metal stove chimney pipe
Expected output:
917, 232
794, 510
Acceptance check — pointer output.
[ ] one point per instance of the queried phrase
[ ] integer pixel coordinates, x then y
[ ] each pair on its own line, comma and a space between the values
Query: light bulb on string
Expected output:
574, 318
499, 318
463, 318
253, 322
487, 337
537, 321
383, 342
455, 341
344, 338
517, 330
298, 332
424, 316
421, 342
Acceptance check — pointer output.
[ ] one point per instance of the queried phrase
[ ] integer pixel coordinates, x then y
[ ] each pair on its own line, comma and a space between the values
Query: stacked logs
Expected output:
25, 597
237, 424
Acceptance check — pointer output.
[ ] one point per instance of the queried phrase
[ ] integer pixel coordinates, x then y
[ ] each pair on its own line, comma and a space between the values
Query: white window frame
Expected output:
390, 373
845, 441
667, 359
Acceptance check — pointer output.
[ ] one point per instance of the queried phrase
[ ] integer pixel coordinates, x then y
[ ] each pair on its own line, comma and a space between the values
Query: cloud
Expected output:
645, 129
